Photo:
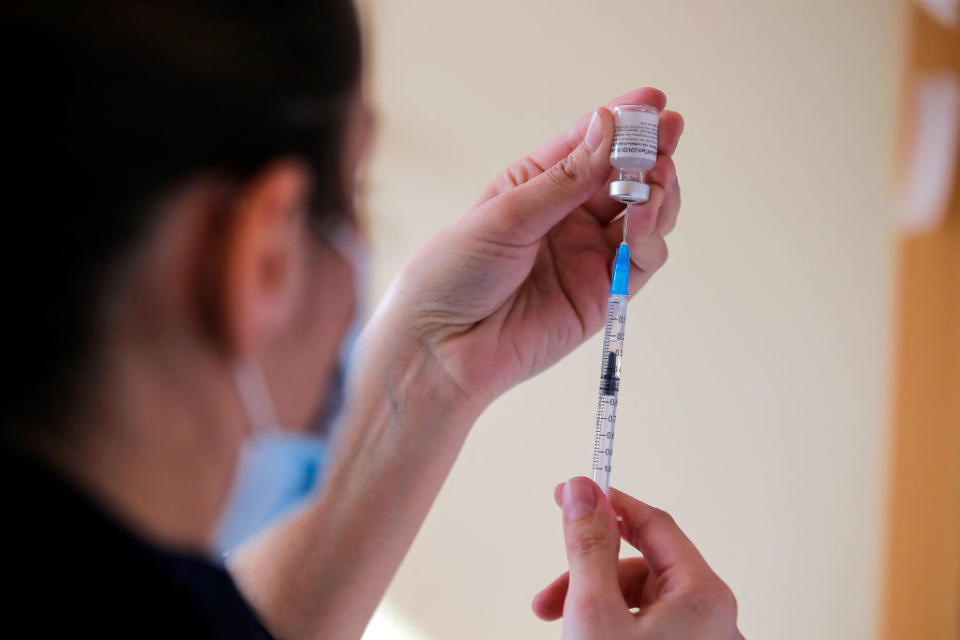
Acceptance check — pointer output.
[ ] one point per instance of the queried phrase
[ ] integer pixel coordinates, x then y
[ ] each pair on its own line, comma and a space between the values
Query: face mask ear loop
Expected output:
351, 245
255, 398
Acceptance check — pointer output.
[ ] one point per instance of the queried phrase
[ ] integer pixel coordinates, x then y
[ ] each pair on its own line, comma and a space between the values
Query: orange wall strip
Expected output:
922, 590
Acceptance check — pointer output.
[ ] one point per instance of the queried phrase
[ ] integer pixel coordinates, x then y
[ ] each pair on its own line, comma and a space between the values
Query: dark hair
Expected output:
114, 102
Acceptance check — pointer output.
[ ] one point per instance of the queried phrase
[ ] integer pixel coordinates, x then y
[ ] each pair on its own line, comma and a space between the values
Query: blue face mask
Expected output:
280, 468
278, 471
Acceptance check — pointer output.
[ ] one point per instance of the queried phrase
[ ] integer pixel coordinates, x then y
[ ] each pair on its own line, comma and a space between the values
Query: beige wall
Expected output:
755, 391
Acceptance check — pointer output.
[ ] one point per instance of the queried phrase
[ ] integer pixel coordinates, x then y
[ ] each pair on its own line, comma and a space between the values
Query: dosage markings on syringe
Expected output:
606, 414
609, 388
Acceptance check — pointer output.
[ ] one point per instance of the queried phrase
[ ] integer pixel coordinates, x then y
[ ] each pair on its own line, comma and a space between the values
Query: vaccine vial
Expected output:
634, 151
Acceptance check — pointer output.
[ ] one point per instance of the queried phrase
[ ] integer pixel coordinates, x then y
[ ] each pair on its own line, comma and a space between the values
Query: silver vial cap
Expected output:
629, 192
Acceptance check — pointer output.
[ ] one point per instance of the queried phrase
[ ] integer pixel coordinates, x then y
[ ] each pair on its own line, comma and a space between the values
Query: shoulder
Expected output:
74, 572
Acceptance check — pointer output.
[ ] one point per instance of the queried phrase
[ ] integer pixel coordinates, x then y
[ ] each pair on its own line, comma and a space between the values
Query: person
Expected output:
178, 288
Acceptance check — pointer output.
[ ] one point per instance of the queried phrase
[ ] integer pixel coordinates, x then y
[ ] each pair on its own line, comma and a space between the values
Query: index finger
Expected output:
560, 147
658, 537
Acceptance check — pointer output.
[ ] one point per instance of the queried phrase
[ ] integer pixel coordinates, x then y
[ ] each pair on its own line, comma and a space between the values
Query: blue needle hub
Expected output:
621, 271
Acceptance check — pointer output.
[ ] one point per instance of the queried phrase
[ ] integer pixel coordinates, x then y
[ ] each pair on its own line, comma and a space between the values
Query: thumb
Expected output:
525, 214
593, 544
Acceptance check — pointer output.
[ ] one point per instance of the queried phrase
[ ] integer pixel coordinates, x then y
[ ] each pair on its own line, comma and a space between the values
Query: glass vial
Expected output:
634, 150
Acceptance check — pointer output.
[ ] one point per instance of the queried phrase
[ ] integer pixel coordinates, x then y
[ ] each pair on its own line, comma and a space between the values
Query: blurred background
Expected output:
759, 384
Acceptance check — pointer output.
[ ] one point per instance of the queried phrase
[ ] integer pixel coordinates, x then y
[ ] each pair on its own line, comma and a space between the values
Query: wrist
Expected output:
402, 369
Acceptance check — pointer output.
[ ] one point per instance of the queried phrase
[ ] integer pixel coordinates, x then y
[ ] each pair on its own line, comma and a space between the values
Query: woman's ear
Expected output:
264, 257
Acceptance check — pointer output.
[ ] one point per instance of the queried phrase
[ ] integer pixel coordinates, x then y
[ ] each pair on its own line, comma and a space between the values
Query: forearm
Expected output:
322, 573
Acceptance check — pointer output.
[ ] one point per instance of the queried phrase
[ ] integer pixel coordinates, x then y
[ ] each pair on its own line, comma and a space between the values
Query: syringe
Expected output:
633, 151
610, 365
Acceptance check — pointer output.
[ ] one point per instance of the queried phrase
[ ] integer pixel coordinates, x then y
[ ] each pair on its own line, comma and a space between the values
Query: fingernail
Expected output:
594, 132
578, 499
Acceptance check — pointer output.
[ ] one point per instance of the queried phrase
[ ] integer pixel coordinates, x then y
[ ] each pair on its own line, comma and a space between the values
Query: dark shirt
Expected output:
72, 571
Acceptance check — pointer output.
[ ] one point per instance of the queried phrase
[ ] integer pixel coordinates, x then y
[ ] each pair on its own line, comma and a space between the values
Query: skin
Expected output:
157, 439
440, 347
231, 274
670, 592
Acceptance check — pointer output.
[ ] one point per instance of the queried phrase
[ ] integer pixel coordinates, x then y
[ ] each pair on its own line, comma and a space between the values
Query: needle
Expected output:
626, 217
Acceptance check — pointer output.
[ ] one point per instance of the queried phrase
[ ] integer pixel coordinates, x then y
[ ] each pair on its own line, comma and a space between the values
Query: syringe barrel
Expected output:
609, 390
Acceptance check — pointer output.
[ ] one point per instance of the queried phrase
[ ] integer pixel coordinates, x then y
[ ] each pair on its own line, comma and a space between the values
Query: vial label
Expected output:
635, 140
